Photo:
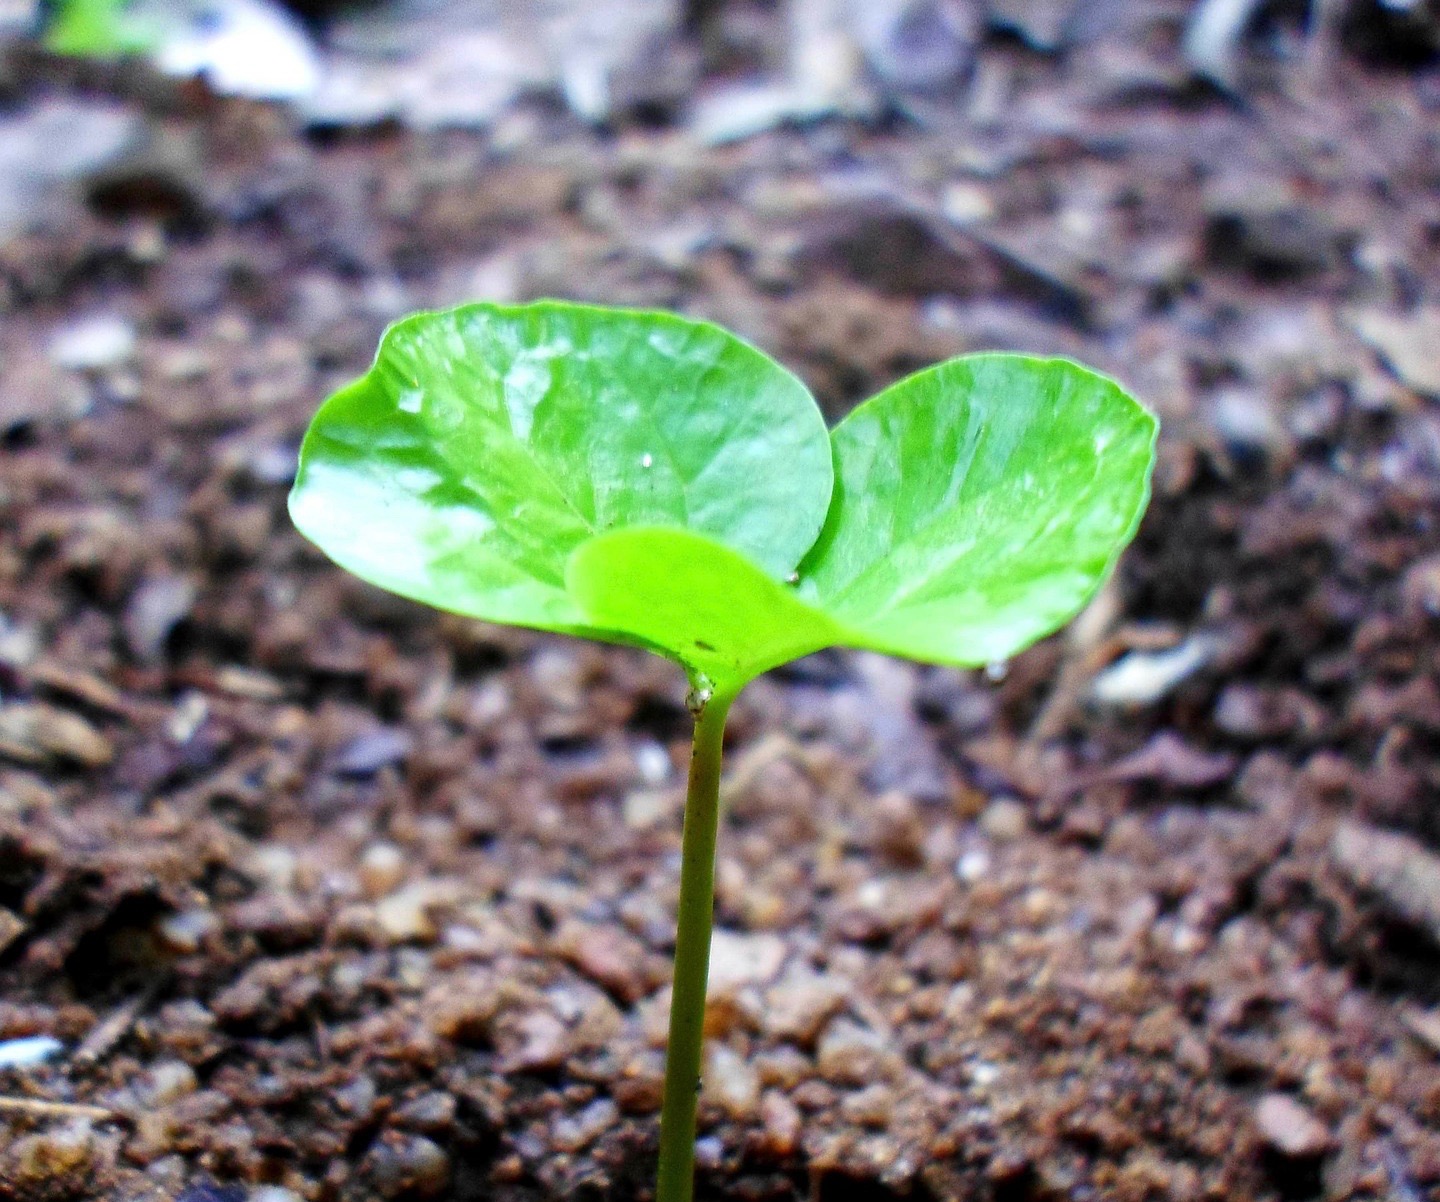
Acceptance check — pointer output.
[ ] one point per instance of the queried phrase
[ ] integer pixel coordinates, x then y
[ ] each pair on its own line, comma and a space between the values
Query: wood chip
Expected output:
1400, 871
10, 928
82, 686
96, 1045
61, 1110
1406, 342
35, 733
1424, 1025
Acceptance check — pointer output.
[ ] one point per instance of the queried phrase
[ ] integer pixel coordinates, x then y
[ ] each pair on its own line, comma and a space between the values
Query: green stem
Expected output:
676, 1182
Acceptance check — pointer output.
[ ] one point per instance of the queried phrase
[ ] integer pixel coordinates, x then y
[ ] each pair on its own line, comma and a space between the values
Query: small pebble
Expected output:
729, 1082
573, 1132
899, 830
462, 1009
1289, 1128
738, 959
1401, 872
640, 1088
32, 1050
356, 1098
53, 1163
653, 763
647, 807
20, 643
185, 932
545, 1044
1145, 677
1424, 1025
93, 343
154, 609
382, 869
873, 1106
973, 865
404, 915
412, 967
1004, 820
849, 1054
271, 464
609, 957
188, 717
1248, 427
559, 674
170, 1080
781, 1121
274, 865
433, 1111
184, 365
366, 754
408, 1166
709, 1152
1420, 586
966, 204
801, 1004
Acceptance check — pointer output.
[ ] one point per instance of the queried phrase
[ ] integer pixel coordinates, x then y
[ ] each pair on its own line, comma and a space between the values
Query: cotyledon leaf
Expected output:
649, 480
978, 505
689, 597
488, 442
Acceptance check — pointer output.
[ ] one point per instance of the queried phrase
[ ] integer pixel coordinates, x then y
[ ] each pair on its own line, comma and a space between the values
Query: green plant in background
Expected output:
645, 479
97, 29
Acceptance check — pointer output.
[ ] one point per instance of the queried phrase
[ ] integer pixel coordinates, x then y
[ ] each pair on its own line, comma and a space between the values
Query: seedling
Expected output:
644, 479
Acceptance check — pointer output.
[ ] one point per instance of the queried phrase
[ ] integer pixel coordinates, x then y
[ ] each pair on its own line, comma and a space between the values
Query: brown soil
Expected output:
323, 891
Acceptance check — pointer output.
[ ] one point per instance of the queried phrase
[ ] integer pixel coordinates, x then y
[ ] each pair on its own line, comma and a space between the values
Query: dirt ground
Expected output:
324, 896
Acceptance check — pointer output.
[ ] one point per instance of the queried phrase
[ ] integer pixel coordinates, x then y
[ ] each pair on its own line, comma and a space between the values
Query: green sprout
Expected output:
645, 479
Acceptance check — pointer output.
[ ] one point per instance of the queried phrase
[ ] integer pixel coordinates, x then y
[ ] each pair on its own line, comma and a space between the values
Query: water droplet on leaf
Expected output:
701, 690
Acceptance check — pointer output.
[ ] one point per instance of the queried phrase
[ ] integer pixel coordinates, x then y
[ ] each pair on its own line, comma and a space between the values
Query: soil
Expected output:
325, 896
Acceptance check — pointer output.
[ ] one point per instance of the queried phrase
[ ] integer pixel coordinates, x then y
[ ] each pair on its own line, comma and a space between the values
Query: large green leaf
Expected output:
488, 442
978, 505
696, 601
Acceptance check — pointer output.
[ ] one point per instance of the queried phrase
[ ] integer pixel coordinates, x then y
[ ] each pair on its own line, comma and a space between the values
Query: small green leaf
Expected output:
978, 505
696, 601
488, 442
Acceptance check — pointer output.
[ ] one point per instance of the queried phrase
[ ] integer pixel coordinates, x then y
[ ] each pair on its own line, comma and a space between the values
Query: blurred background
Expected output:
305, 890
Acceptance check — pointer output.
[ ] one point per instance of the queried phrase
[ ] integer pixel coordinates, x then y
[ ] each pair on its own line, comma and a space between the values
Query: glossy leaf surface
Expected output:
654, 481
488, 442
978, 505
697, 601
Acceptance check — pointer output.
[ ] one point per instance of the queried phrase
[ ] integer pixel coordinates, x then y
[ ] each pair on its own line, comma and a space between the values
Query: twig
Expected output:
56, 1110
1085, 644
1323, 40
104, 1037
